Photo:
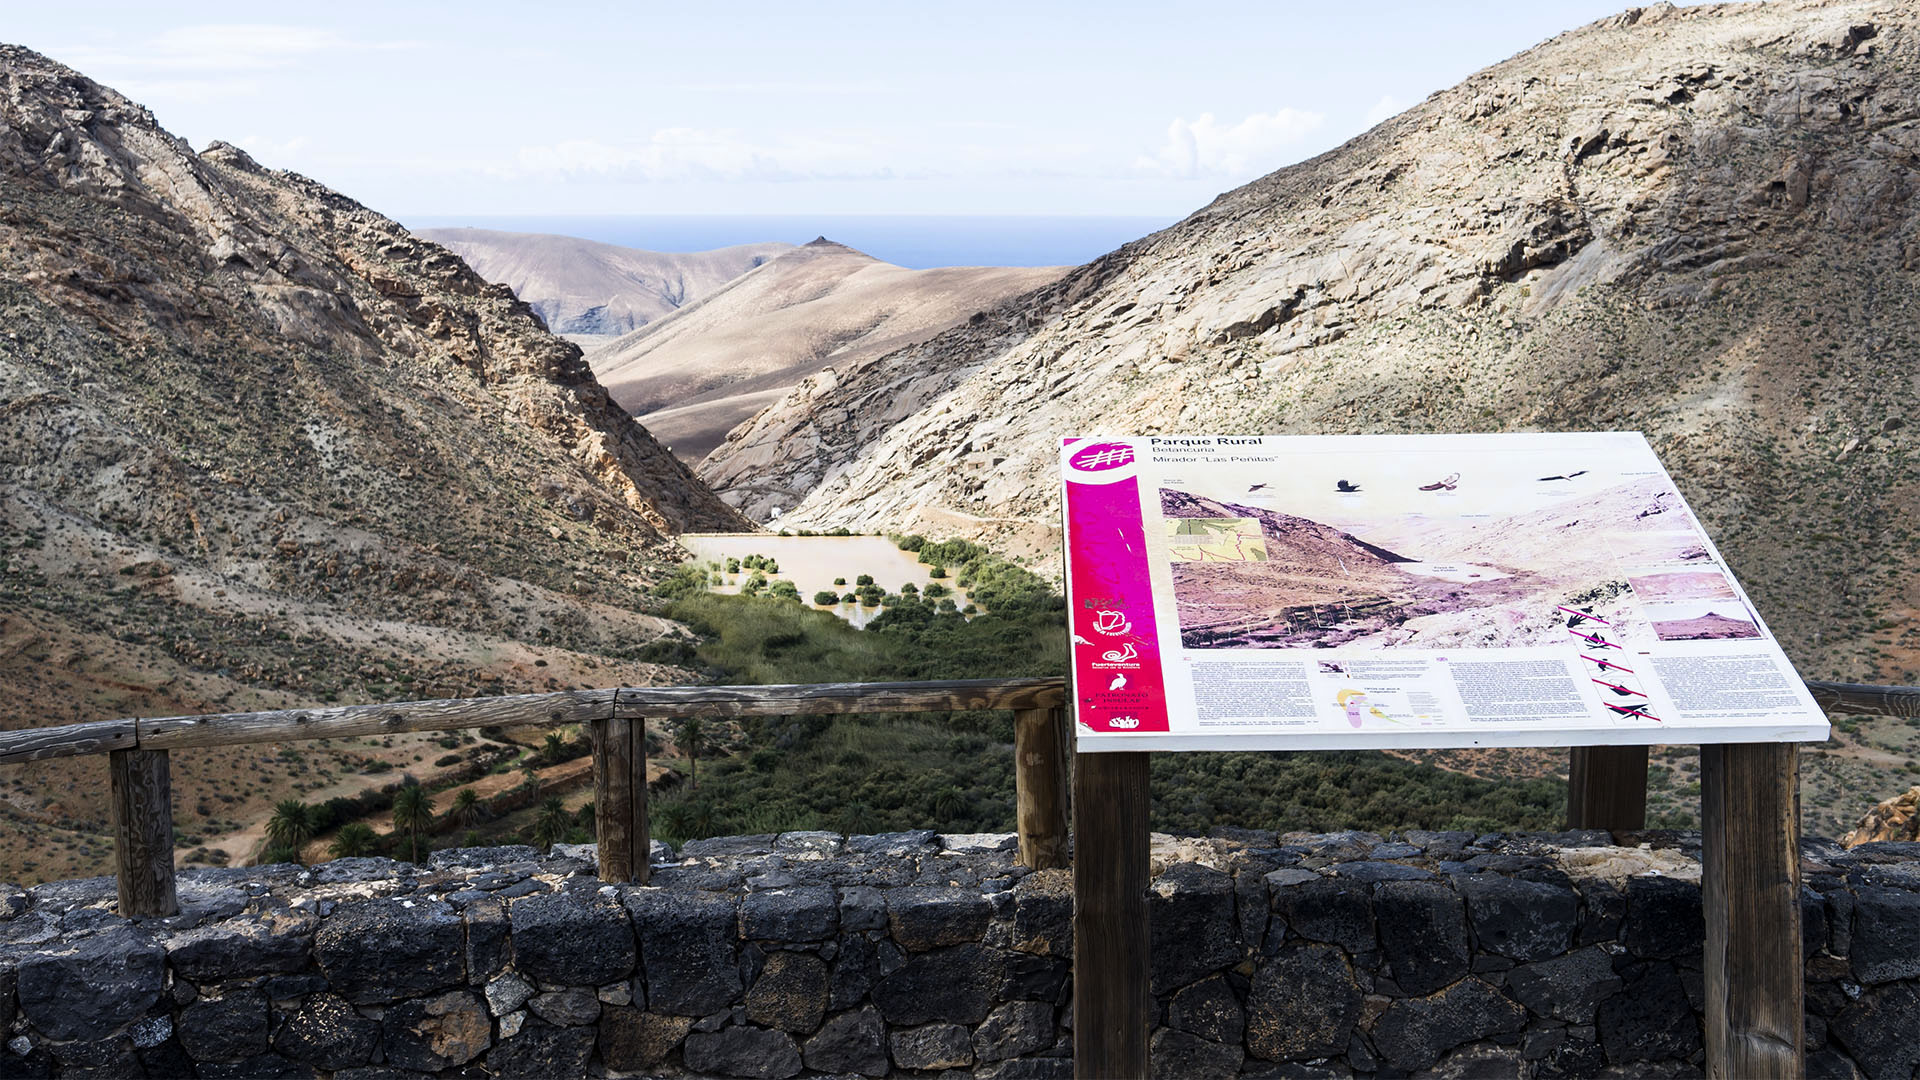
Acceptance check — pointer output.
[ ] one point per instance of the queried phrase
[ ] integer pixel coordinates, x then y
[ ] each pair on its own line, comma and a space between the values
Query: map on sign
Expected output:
1438, 590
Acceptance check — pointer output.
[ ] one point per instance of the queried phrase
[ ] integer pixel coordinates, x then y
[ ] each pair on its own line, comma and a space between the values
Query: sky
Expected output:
479, 108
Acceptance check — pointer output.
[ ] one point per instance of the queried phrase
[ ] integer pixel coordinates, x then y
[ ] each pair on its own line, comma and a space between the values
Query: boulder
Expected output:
790, 994
754, 1053
226, 1029
430, 1034
575, 1006
540, 1052
275, 941
327, 1033
1879, 1030
1303, 1004
934, 1046
922, 918
1423, 934
801, 913
852, 1042
1043, 913
632, 1040
1013, 1029
687, 949
1412, 1033
1325, 909
1524, 920
1886, 934
572, 939
1650, 1019
1209, 1009
1178, 1055
383, 950
1190, 910
1664, 917
1566, 987
88, 986
952, 985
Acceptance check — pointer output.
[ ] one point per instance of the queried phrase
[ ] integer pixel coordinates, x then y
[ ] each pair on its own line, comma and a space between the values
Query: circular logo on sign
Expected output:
1102, 456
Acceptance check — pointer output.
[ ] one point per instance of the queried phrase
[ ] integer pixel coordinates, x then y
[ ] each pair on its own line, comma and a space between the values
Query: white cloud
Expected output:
1387, 106
1207, 147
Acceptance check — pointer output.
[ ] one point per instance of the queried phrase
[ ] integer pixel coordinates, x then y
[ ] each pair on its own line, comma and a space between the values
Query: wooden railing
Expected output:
1607, 785
615, 720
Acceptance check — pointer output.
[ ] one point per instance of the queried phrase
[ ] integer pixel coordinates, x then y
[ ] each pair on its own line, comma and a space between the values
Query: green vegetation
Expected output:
955, 771
412, 812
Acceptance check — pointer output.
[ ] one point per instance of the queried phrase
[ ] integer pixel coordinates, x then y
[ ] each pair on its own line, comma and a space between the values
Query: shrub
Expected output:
863, 579
826, 598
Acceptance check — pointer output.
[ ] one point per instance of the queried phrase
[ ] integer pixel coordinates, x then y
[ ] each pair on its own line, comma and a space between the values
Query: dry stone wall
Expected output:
1344, 954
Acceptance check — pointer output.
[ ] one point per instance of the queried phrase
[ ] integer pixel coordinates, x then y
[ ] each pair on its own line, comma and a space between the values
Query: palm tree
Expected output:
291, 826
466, 808
554, 747
585, 816
412, 811
551, 827
690, 738
354, 839
529, 776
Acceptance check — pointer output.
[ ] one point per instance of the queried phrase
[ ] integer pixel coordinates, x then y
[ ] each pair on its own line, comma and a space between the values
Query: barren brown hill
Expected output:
714, 363
261, 446
593, 291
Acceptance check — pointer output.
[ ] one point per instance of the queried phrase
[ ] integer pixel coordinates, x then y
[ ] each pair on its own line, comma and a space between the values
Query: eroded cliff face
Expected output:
1695, 222
258, 444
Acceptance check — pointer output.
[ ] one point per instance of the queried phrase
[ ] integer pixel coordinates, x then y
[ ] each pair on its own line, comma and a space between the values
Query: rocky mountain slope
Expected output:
1697, 222
594, 292
712, 364
261, 446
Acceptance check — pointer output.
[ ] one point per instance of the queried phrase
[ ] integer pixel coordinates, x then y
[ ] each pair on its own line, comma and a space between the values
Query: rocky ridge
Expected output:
260, 446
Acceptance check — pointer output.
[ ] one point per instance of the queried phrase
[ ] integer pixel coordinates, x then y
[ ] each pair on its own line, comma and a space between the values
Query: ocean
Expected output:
914, 241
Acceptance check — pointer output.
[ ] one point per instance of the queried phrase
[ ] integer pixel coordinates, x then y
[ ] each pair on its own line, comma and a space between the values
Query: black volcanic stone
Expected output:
1413, 1032
1034, 978
953, 985
852, 1042
1043, 914
1370, 871
855, 969
262, 1067
686, 949
1210, 1010
790, 993
328, 1034
1423, 934
1250, 905
933, 1046
1879, 1030
1525, 920
540, 1052
572, 939
276, 942
226, 1029
862, 907
1177, 1055
92, 985
926, 918
1664, 917
1566, 987
1303, 1004
742, 1051
1192, 926
1650, 1019
1886, 934
383, 950
430, 1034
1012, 1029
1330, 910
1603, 912
804, 913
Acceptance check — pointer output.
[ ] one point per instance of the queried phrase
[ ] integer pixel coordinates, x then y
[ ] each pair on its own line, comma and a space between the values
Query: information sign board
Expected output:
1329, 592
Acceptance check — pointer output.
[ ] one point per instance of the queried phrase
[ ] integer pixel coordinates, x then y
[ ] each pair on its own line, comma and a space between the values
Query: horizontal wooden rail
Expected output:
815, 698
1861, 699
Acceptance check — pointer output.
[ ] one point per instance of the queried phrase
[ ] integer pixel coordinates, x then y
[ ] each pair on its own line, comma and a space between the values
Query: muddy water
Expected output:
812, 562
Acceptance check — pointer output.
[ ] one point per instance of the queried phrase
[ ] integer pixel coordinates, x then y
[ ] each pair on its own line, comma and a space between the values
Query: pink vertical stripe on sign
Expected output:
1118, 685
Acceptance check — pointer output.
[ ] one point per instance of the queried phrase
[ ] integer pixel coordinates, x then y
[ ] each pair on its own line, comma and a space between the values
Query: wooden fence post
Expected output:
620, 798
1043, 758
1750, 833
142, 811
1607, 787
1112, 963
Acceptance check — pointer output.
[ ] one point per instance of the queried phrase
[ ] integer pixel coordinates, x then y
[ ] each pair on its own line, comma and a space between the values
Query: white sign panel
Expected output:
1339, 592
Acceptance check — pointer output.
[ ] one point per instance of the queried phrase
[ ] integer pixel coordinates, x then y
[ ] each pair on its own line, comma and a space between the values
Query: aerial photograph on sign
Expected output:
1398, 569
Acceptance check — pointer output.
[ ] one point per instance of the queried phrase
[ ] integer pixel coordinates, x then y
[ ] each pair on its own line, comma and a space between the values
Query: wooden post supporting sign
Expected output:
142, 812
1755, 982
1607, 787
620, 798
1112, 967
